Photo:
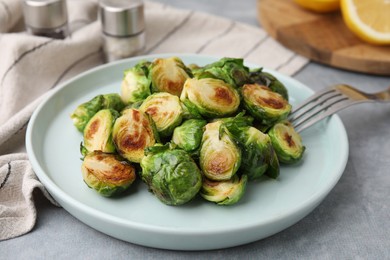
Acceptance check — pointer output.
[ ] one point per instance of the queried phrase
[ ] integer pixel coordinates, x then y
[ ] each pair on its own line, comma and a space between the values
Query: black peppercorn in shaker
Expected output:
123, 28
47, 18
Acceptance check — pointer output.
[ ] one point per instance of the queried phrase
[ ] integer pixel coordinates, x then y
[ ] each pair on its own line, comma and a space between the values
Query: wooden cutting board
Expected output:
321, 37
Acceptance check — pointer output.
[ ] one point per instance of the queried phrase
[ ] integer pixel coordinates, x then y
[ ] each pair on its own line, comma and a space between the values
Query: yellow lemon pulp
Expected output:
368, 19
320, 6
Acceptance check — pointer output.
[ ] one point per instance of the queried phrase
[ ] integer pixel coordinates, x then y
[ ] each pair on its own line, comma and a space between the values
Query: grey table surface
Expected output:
353, 222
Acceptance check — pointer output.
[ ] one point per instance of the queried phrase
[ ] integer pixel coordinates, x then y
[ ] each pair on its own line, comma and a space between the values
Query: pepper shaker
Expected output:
123, 28
47, 18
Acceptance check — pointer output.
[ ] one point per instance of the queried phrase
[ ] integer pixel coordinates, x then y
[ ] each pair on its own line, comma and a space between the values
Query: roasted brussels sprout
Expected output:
171, 174
258, 155
108, 174
169, 75
263, 104
136, 83
98, 132
267, 79
84, 112
210, 97
287, 142
226, 192
133, 131
165, 110
113, 101
188, 135
230, 70
220, 157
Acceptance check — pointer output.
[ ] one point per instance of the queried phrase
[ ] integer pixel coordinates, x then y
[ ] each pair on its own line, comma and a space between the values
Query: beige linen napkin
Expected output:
31, 66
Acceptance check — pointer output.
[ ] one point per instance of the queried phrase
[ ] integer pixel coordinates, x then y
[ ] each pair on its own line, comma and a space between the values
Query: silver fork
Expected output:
329, 101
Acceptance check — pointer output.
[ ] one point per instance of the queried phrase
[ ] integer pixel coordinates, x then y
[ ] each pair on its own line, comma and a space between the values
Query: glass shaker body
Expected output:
116, 48
47, 18
123, 28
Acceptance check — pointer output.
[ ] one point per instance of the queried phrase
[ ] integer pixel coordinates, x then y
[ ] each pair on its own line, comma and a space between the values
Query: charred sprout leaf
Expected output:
133, 131
267, 79
258, 155
240, 120
226, 192
165, 110
108, 174
113, 101
136, 83
220, 157
210, 97
266, 106
230, 70
169, 75
273, 170
188, 135
287, 142
172, 175
98, 132
84, 112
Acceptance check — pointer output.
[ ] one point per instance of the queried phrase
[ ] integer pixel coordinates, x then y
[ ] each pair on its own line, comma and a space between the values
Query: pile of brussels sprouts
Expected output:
187, 130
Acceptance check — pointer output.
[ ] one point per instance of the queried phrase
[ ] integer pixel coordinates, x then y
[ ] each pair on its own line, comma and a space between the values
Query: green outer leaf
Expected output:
188, 135
140, 72
230, 70
172, 176
269, 80
257, 151
84, 112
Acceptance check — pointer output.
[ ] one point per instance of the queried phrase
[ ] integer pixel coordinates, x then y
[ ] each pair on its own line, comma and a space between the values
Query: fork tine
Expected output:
320, 99
326, 111
317, 107
313, 98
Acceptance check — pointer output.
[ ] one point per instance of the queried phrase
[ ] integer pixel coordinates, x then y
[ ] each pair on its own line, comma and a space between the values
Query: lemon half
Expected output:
368, 19
320, 6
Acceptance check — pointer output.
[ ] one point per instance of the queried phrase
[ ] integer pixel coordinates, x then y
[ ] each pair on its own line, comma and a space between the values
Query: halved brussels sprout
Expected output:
169, 75
98, 132
267, 79
226, 192
84, 112
188, 135
171, 174
210, 97
220, 157
113, 101
108, 174
230, 70
135, 85
133, 131
258, 155
263, 104
287, 142
165, 110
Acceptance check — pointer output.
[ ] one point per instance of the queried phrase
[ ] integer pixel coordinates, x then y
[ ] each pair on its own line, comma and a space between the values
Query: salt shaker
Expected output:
123, 28
47, 18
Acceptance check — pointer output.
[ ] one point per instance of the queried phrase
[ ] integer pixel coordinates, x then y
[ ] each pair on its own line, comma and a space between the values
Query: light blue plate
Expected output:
268, 206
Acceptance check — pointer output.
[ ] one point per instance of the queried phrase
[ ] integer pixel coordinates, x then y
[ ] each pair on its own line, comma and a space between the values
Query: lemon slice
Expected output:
368, 19
320, 6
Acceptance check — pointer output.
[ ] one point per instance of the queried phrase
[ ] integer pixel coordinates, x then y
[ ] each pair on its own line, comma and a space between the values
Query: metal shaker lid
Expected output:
122, 17
45, 14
